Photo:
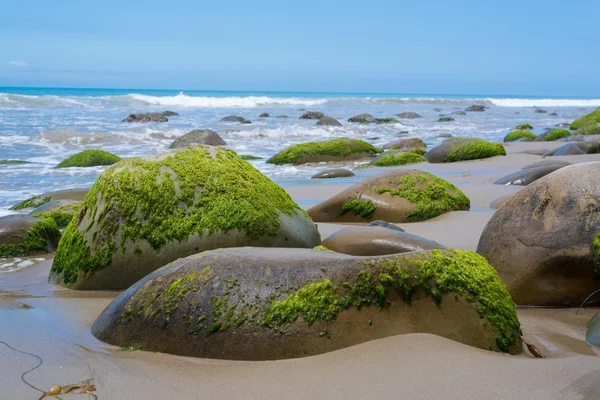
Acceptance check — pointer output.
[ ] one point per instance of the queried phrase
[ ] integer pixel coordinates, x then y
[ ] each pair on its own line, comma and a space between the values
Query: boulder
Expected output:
523, 136
540, 111
61, 211
523, 127
569, 150
328, 121
459, 113
362, 119
462, 149
591, 129
399, 196
147, 117
376, 241
445, 119
499, 202
333, 173
475, 107
143, 213
585, 147
384, 224
312, 115
264, 115
198, 137
593, 117
36, 201
526, 176
89, 158
545, 241
405, 144
233, 118
265, 304
409, 115
547, 162
552, 134
24, 235
553, 114
398, 157
169, 113
342, 149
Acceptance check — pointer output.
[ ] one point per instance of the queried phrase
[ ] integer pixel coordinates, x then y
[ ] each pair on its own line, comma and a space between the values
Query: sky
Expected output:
515, 47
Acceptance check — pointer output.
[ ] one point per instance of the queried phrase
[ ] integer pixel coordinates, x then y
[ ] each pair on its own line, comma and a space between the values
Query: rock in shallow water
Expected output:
399, 196
146, 212
198, 137
147, 117
376, 241
36, 201
24, 235
463, 149
333, 173
545, 241
262, 304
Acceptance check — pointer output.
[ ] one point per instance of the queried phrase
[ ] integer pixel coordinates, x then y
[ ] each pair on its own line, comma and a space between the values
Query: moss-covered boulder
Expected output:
524, 136
143, 213
462, 149
264, 304
526, 176
475, 107
591, 129
376, 241
312, 115
397, 157
405, 144
343, 149
198, 137
61, 211
399, 196
552, 135
36, 201
542, 240
89, 158
333, 173
328, 121
23, 235
362, 119
593, 117
523, 127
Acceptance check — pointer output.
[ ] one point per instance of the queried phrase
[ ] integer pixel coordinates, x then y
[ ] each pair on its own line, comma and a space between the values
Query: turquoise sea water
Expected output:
46, 125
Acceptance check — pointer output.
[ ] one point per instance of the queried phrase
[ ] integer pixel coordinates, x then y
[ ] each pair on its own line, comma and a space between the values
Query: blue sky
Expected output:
471, 47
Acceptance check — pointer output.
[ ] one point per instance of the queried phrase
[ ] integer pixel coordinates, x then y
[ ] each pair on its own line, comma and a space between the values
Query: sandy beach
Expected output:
53, 323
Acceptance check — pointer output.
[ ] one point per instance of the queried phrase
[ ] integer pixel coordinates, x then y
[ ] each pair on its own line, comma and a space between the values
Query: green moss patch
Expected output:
431, 195
421, 151
591, 129
38, 239
168, 198
62, 215
592, 117
10, 162
475, 149
32, 202
388, 120
322, 248
439, 273
520, 134
89, 158
249, 157
343, 147
556, 134
523, 127
361, 208
393, 157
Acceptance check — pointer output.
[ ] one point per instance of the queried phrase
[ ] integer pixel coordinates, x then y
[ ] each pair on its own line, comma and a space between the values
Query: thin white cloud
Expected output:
18, 64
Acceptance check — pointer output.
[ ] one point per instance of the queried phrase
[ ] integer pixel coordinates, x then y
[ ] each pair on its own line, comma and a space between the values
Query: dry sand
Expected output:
53, 323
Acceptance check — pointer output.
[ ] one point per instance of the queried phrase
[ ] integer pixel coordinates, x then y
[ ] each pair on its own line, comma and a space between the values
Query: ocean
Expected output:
46, 125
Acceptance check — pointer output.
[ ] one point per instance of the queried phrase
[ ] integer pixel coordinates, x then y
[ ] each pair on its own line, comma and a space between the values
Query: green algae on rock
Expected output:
40, 237
556, 134
32, 202
587, 119
89, 158
37, 201
249, 157
149, 211
330, 150
523, 127
520, 135
13, 162
266, 303
463, 149
399, 196
61, 215
591, 129
395, 157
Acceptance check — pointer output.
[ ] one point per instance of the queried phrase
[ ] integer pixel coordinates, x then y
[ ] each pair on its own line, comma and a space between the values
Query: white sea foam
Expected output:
545, 102
183, 100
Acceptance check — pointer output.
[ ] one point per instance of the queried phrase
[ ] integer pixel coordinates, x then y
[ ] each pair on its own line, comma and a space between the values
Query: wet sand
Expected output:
53, 323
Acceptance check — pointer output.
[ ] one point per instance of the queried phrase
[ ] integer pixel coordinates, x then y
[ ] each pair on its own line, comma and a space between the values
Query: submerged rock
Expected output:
235, 118
198, 137
343, 149
169, 113
36, 201
24, 235
409, 115
312, 115
540, 111
328, 121
89, 158
445, 119
545, 241
145, 212
527, 176
264, 115
265, 304
459, 113
399, 196
147, 117
475, 107
333, 173
376, 241
462, 149
362, 119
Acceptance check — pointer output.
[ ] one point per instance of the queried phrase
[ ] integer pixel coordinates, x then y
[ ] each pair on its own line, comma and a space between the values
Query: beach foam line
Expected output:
224, 102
